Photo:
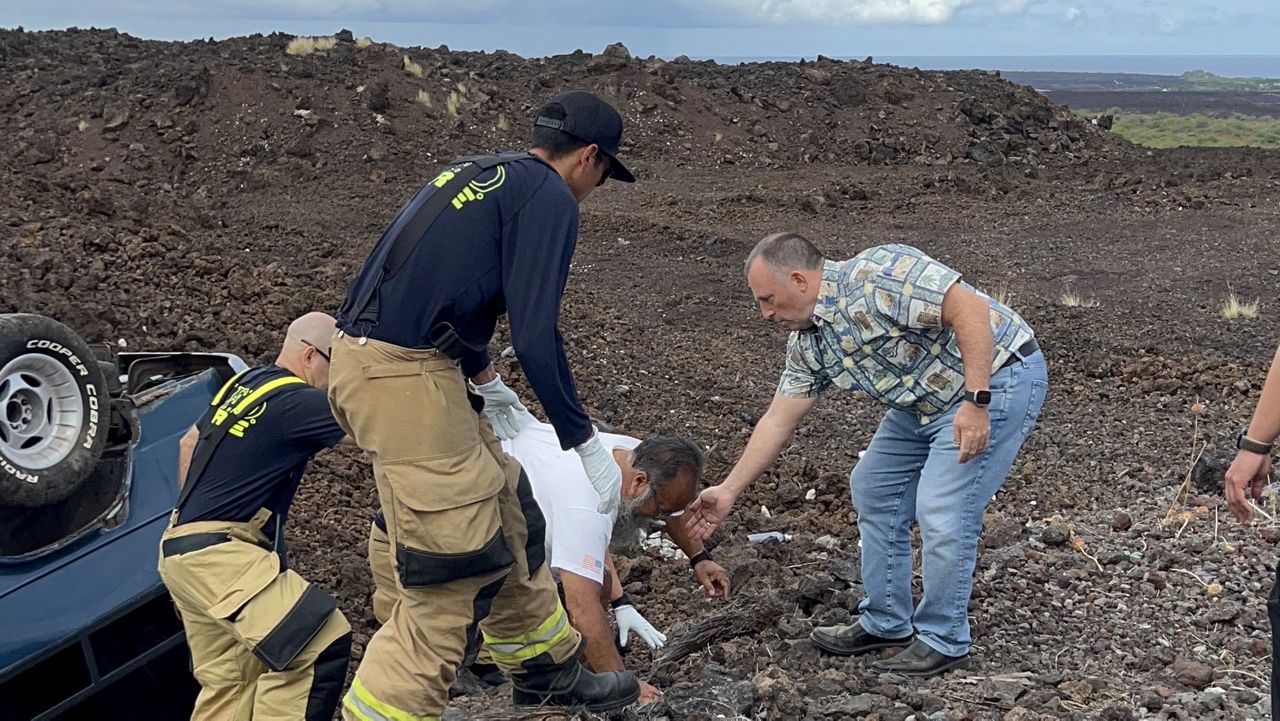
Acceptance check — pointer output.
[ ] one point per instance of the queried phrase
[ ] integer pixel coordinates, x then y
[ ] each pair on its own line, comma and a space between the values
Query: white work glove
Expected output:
502, 406
602, 471
629, 619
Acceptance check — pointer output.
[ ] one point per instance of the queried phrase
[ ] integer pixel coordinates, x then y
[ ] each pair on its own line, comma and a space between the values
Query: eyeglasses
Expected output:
608, 168
323, 355
669, 514
661, 512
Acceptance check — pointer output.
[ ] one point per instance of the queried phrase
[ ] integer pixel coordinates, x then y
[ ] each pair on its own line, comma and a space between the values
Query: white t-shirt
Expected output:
577, 535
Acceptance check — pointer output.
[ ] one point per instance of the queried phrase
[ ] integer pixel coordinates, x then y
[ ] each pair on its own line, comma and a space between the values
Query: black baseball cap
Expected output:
591, 120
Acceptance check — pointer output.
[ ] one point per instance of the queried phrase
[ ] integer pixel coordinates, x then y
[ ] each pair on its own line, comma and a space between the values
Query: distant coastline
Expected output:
1235, 66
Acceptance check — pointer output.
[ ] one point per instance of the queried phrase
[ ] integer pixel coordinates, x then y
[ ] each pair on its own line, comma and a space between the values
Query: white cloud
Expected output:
1013, 7
1031, 18
1168, 23
851, 12
321, 8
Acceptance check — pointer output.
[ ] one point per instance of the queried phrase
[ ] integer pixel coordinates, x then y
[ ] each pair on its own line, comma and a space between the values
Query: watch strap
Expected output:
1245, 443
699, 557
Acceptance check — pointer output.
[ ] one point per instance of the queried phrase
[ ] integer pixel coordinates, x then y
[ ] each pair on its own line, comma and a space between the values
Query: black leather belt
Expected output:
196, 542
1026, 350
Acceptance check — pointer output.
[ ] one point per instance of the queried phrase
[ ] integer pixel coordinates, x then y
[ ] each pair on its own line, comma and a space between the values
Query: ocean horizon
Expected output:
1236, 66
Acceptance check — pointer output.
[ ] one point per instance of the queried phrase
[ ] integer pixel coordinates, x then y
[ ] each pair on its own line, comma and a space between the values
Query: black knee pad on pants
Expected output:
280, 647
330, 675
423, 569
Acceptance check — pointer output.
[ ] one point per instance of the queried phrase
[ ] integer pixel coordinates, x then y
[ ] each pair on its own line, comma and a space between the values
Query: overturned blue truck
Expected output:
88, 454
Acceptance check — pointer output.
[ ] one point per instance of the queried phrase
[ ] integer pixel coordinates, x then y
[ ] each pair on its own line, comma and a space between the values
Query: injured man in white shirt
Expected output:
660, 477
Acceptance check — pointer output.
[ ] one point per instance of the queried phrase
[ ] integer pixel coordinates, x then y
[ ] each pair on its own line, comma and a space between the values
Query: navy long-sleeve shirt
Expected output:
505, 249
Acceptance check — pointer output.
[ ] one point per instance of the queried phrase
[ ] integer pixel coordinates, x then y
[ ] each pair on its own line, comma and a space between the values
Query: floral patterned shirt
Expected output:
878, 328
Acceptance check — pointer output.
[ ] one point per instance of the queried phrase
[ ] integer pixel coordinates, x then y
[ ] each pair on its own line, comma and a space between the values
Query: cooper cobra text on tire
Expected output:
53, 410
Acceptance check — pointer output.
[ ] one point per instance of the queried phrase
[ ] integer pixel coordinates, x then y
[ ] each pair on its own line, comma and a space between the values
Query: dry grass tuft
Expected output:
306, 46
1003, 296
503, 125
451, 105
411, 67
83, 125
424, 98
1072, 300
1233, 308
364, 42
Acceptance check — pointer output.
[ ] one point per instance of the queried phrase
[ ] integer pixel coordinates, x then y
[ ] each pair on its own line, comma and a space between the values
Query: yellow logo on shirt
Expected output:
251, 418
475, 190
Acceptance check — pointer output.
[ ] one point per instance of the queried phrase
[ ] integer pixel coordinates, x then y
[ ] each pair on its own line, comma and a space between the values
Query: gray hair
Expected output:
785, 252
664, 458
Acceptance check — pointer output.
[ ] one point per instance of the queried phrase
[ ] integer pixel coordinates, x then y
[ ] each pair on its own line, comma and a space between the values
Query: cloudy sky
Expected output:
709, 27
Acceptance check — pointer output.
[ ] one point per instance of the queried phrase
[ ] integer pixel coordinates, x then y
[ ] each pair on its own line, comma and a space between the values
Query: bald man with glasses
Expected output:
265, 643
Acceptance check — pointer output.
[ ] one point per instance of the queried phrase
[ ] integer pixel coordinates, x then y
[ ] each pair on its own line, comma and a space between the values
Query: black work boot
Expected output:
476, 679
489, 673
852, 640
569, 684
921, 660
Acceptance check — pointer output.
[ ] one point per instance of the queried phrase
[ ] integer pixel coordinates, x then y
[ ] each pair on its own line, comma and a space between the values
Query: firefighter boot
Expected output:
543, 683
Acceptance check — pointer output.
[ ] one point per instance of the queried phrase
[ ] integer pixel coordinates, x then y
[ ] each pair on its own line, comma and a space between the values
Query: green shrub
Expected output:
1171, 130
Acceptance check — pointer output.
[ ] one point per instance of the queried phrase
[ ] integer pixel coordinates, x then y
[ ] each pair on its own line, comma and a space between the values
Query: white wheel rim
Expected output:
41, 411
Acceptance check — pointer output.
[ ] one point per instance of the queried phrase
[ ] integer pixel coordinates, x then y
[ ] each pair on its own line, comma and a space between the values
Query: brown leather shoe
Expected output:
852, 640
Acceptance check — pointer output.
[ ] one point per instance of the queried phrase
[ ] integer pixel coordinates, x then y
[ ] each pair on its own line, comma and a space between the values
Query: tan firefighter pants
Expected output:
265, 645
464, 529
382, 564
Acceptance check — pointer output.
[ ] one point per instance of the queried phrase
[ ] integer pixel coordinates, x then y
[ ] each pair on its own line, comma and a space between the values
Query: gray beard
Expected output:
629, 529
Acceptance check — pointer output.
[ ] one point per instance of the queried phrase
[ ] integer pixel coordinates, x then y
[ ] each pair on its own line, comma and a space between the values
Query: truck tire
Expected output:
54, 411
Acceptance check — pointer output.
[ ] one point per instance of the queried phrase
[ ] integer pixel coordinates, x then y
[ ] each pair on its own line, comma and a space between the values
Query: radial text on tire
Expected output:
53, 411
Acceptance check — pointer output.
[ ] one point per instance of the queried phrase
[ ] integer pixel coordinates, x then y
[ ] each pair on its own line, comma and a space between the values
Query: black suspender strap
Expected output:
441, 192
226, 417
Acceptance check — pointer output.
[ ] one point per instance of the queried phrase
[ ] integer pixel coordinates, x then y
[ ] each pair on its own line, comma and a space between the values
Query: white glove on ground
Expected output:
602, 471
502, 406
629, 619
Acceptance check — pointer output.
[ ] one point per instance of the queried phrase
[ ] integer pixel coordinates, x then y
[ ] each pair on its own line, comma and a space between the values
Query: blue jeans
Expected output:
911, 472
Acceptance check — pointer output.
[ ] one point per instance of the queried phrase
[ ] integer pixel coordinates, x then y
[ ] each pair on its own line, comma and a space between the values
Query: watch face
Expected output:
982, 398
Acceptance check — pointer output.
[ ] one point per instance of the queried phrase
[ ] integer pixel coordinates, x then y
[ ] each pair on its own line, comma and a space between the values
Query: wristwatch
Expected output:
1245, 443
978, 398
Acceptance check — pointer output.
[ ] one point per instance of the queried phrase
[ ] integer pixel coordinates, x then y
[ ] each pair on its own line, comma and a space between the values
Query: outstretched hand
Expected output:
710, 508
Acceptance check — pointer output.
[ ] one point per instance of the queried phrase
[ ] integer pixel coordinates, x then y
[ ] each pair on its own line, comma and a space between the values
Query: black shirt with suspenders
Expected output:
256, 438
489, 235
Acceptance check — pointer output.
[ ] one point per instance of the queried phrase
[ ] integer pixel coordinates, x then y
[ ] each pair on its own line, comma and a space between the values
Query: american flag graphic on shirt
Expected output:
591, 563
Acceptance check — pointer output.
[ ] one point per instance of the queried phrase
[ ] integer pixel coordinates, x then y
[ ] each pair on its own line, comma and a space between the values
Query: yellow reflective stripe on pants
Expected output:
361, 704
522, 648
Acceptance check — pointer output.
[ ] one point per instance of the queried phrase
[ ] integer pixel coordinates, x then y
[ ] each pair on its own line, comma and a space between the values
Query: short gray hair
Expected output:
665, 458
785, 252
